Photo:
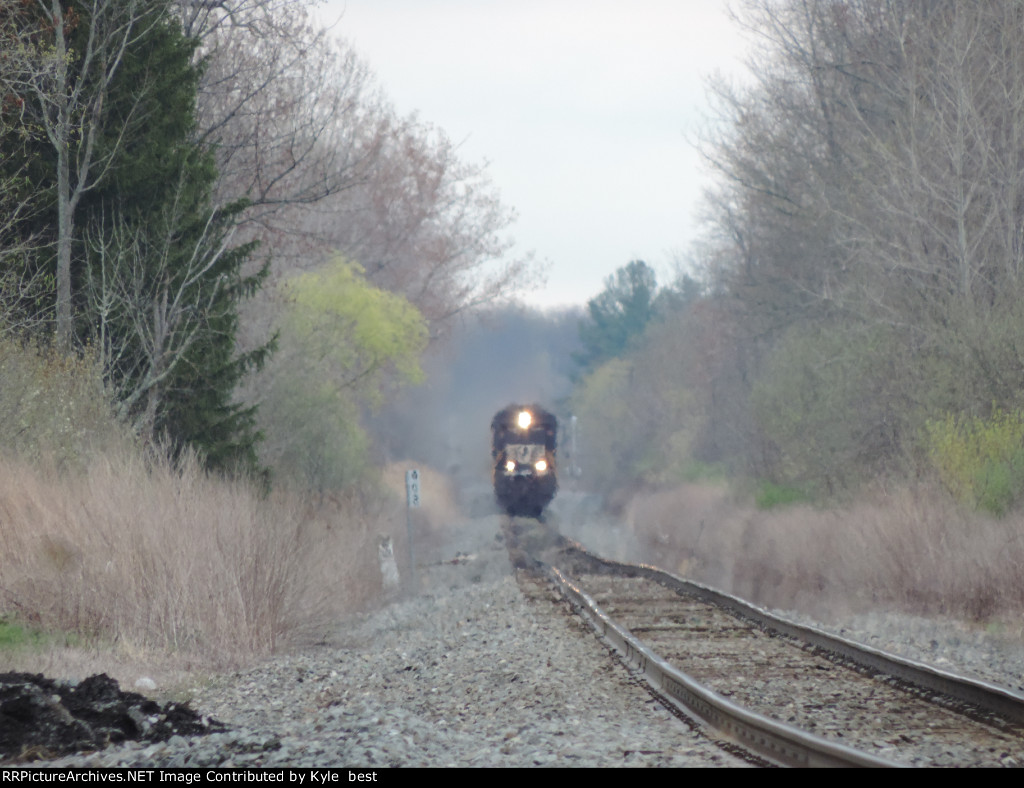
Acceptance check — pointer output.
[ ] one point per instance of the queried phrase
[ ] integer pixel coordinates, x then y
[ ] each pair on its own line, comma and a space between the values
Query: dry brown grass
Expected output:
148, 558
439, 508
912, 549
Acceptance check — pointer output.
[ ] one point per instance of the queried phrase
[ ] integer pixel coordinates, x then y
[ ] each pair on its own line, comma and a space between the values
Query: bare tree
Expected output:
290, 112
153, 295
17, 283
302, 132
944, 208
66, 99
872, 201
429, 226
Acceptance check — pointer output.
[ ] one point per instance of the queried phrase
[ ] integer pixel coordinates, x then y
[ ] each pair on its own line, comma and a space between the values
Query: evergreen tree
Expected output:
617, 315
156, 281
178, 281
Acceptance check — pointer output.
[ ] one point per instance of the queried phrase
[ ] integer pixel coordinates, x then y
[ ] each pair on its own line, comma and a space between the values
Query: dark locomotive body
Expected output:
523, 441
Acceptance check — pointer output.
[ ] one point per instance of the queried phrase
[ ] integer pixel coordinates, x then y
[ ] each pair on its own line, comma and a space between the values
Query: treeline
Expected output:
860, 307
195, 192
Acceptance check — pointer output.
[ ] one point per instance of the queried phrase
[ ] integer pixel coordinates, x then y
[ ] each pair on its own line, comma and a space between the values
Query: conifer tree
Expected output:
156, 281
618, 315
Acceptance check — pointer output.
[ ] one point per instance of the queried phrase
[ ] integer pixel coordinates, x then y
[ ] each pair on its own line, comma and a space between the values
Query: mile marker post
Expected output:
412, 500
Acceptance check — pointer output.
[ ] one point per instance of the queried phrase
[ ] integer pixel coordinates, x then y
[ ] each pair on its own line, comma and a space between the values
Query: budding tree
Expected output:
303, 133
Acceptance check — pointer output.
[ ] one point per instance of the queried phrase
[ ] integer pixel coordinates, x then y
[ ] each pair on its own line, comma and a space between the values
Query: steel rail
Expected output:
775, 741
1000, 701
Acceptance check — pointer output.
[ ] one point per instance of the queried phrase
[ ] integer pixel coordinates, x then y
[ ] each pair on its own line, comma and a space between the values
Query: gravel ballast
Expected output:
473, 672
482, 669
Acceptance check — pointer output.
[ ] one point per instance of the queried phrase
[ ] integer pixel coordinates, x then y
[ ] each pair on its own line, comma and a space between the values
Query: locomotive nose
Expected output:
523, 447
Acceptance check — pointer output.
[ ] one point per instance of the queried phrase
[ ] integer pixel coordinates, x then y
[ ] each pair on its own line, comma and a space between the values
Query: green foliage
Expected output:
353, 330
980, 460
770, 495
641, 414
696, 471
18, 637
826, 409
618, 315
315, 429
668, 404
669, 457
344, 343
611, 446
11, 636
802, 404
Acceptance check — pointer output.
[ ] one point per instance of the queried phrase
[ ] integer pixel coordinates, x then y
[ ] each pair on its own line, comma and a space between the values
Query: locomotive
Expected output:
523, 439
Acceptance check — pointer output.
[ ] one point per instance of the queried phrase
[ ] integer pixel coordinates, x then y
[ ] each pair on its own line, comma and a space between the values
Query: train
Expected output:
523, 443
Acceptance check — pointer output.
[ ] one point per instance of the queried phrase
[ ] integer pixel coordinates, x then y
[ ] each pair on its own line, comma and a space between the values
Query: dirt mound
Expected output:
41, 718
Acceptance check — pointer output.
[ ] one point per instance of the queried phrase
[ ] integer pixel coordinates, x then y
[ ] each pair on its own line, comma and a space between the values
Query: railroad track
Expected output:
789, 694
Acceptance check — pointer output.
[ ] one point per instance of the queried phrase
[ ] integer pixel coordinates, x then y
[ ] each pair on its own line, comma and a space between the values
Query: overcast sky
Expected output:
584, 108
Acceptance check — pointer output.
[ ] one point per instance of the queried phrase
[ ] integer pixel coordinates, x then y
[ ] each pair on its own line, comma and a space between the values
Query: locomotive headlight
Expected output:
525, 419
541, 466
510, 466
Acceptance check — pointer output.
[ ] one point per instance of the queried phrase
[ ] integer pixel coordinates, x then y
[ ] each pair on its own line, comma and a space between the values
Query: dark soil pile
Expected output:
41, 718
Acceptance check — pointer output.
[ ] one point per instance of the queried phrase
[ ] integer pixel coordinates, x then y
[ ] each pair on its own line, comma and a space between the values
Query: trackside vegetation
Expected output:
220, 251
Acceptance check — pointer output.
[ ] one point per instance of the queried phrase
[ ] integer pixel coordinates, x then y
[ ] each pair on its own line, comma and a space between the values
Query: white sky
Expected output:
583, 108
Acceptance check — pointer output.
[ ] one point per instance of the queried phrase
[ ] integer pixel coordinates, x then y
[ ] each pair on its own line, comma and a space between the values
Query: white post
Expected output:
412, 500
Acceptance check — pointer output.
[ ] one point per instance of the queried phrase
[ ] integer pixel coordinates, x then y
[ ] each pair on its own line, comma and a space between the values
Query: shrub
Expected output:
770, 495
902, 548
16, 636
53, 406
695, 471
979, 460
820, 407
159, 556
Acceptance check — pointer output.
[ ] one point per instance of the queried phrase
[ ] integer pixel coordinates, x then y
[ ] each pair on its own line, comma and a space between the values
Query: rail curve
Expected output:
996, 709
